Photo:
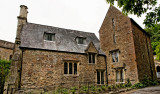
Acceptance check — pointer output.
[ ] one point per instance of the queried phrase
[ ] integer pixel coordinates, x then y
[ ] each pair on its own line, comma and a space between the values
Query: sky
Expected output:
82, 15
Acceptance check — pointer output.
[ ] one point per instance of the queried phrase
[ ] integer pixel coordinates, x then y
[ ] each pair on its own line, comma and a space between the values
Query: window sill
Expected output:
48, 41
74, 75
91, 63
120, 82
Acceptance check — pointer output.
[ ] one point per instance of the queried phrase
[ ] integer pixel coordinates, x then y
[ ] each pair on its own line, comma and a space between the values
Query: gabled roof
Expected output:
134, 22
65, 39
91, 48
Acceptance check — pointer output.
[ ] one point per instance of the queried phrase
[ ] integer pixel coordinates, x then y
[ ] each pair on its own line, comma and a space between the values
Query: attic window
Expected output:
81, 40
49, 36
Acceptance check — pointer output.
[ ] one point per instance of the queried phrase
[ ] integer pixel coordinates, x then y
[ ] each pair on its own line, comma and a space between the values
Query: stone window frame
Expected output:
52, 35
118, 53
73, 62
121, 78
95, 58
100, 71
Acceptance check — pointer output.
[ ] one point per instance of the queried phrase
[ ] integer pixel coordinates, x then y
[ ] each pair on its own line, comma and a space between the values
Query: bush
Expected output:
84, 89
73, 90
128, 84
138, 85
4, 70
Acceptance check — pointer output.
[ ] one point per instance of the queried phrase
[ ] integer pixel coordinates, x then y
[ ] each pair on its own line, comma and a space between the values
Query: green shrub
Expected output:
138, 85
128, 84
103, 87
73, 90
93, 89
4, 70
84, 89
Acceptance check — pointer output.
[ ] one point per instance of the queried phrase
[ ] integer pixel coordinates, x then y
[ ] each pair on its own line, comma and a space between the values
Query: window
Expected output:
92, 58
100, 77
49, 36
115, 56
10, 57
113, 22
70, 68
81, 40
114, 38
120, 75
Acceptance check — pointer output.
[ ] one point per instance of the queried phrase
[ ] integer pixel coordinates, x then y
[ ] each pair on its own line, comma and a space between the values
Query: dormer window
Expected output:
81, 40
49, 36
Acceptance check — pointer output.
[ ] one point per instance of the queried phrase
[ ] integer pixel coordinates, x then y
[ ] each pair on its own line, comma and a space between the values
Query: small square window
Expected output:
49, 36
80, 40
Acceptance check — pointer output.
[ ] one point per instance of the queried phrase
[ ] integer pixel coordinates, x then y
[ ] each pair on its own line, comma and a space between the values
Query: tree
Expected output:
139, 7
154, 31
158, 51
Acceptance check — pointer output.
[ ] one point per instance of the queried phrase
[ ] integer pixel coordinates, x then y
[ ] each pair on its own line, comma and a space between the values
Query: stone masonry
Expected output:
72, 58
119, 32
6, 50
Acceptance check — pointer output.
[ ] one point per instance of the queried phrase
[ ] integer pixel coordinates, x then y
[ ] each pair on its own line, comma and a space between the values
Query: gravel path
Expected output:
147, 90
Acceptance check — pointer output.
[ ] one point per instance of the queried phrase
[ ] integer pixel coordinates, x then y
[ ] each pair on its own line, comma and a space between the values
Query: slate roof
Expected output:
65, 39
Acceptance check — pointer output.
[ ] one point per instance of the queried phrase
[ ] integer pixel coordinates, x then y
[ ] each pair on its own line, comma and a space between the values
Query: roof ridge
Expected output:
60, 28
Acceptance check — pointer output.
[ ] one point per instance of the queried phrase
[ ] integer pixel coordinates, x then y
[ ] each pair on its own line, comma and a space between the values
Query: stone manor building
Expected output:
48, 56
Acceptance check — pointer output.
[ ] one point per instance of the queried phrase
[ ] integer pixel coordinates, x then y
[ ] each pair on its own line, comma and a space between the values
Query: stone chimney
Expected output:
22, 19
23, 12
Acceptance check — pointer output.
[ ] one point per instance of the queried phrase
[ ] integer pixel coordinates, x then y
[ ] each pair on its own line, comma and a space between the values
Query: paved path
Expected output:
147, 90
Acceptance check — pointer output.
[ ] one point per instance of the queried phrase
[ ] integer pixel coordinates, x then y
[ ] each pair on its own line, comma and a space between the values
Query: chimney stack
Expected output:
23, 12
22, 19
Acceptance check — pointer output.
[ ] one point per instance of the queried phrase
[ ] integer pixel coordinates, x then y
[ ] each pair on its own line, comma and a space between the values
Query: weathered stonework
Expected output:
40, 64
6, 50
135, 53
42, 69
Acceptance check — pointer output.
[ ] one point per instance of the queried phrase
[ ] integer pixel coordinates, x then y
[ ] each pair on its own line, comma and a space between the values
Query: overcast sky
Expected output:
83, 15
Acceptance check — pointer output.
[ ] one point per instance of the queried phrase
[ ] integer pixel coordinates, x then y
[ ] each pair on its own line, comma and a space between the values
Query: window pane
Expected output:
49, 36
65, 68
113, 57
102, 77
80, 40
116, 56
75, 68
117, 76
90, 61
121, 75
70, 68
98, 77
93, 58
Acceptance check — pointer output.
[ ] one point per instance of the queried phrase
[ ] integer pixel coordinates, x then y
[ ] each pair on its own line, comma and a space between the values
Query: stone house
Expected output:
49, 57
6, 50
127, 47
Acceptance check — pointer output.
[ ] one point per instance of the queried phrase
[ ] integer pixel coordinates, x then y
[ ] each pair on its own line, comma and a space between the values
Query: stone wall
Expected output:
144, 55
132, 41
124, 43
45, 69
6, 50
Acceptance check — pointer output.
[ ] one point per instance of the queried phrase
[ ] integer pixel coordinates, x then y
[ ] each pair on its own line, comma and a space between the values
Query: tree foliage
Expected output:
139, 7
154, 31
4, 70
